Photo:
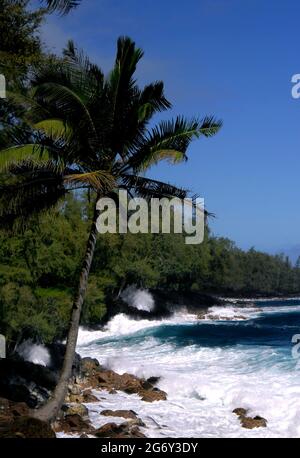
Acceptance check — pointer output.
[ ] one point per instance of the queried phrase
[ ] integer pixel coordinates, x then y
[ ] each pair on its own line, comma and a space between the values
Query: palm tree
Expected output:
84, 130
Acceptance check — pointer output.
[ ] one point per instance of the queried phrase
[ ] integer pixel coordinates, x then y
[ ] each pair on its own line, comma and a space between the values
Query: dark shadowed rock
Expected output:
57, 353
73, 424
22, 381
27, 427
125, 430
153, 380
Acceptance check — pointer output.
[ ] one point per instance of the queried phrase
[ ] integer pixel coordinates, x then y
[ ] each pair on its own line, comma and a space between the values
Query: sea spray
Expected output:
34, 353
140, 299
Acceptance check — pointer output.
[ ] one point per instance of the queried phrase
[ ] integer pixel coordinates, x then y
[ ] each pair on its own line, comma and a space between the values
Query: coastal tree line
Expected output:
39, 270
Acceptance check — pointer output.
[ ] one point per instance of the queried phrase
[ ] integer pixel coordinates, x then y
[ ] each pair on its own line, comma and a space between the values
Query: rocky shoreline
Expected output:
16, 420
25, 386
73, 421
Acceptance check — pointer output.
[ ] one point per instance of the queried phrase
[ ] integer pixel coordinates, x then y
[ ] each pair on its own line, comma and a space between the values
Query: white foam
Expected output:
140, 299
34, 353
122, 324
231, 313
204, 384
236, 313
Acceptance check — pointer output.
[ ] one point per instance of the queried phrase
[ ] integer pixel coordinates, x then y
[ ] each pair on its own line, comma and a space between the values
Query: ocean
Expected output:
208, 368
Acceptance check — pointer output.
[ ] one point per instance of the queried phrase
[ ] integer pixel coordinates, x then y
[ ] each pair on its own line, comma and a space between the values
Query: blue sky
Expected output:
230, 58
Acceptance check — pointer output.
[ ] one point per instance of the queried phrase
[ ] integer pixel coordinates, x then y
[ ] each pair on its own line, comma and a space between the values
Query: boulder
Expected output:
27, 427
255, 422
153, 380
120, 413
22, 381
250, 422
9, 410
75, 389
88, 396
99, 378
154, 395
76, 409
240, 412
125, 430
73, 424
88, 366
78, 398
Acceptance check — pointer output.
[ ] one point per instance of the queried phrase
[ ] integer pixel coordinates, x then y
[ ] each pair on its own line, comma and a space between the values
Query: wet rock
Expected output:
27, 427
255, 422
120, 413
88, 396
108, 430
250, 422
153, 380
240, 412
76, 409
75, 398
73, 424
22, 381
88, 366
9, 410
125, 430
75, 389
154, 395
77, 395
99, 378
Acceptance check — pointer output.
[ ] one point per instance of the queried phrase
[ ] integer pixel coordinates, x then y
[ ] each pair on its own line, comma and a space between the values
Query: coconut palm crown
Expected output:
85, 130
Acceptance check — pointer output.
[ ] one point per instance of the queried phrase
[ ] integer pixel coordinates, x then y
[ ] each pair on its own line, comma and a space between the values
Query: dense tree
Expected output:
20, 45
39, 269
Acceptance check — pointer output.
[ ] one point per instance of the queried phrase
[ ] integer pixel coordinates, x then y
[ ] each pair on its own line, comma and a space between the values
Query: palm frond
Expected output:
147, 188
62, 6
29, 190
170, 139
152, 99
15, 154
99, 180
55, 128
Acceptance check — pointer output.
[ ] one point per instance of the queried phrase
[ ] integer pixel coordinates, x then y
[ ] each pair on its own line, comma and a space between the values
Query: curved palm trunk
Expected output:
50, 410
